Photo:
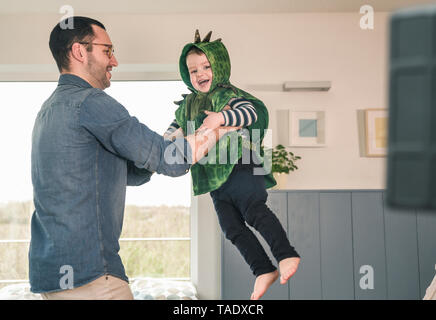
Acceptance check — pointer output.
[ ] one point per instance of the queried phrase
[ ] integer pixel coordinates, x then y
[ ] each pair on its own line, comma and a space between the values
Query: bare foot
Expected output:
288, 267
263, 282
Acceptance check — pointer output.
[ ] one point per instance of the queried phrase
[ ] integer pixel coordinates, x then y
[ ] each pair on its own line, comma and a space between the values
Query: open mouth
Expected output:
203, 82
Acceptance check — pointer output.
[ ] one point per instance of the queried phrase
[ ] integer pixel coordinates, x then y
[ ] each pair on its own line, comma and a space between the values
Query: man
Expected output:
86, 149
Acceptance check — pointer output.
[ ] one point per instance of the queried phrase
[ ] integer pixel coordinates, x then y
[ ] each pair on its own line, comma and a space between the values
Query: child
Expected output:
238, 195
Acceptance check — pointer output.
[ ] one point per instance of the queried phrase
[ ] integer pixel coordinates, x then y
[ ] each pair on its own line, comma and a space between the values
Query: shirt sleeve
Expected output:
137, 176
241, 114
173, 127
123, 135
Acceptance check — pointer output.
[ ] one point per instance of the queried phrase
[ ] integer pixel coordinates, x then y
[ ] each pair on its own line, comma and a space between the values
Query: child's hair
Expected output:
194, 50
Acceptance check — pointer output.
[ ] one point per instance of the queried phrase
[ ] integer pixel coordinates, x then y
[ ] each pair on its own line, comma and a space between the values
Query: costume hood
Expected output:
207, 177
217, 55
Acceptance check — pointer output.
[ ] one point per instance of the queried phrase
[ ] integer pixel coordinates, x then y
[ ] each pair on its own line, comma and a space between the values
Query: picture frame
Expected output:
376, 130
307, 129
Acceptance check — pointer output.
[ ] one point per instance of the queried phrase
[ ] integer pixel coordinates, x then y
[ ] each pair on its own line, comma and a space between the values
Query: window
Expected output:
155, 241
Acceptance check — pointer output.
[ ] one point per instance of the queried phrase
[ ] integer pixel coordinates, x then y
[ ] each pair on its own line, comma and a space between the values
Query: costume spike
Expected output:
197, 37
207, 37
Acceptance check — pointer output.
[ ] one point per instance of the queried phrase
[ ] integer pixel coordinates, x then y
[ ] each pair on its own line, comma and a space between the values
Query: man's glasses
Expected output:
110, 47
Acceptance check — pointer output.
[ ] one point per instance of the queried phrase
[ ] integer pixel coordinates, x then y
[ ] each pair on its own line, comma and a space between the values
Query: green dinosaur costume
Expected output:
209, 176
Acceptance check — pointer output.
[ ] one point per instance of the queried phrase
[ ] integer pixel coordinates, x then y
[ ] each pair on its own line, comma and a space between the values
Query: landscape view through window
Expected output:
155, 241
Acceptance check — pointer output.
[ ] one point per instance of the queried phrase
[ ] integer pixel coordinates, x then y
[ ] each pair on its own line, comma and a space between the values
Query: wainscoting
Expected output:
352, 247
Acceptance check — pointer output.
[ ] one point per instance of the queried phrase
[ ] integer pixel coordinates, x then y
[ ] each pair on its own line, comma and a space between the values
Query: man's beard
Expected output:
98, 72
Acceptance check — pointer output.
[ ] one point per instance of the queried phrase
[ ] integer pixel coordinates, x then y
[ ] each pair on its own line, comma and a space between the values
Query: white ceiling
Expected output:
199, 6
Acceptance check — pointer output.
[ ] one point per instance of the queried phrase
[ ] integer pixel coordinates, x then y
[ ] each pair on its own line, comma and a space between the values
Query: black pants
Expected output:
242, 199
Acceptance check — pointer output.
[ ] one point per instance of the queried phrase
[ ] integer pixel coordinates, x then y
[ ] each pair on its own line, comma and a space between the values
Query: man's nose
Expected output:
114, 61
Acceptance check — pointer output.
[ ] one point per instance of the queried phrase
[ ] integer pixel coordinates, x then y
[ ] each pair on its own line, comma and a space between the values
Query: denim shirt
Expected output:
86, 149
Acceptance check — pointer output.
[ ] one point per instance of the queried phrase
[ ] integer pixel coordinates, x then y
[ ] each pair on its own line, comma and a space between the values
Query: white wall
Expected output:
265, 51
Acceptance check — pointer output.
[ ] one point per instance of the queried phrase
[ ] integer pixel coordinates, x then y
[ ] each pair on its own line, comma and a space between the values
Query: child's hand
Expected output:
213, 120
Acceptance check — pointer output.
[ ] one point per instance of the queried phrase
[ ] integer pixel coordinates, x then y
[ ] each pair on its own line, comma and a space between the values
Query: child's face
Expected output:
200, 71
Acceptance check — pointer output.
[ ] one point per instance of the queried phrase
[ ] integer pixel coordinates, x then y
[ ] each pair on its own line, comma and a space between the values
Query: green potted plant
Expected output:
283, 162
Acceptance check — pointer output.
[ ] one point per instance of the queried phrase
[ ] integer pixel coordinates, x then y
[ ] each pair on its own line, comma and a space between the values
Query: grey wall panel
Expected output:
237, 281
277, 202
426, 226
368, 246
303, 226
401, 253
336, 232
336, 246
237, 278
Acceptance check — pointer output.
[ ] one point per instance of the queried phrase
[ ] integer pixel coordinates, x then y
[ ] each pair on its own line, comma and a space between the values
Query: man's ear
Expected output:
78, 52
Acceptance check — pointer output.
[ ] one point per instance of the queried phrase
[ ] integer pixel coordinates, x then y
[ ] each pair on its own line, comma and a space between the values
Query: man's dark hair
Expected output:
62, 38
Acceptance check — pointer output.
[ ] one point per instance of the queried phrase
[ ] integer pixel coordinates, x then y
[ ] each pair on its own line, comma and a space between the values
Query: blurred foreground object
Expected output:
411, 167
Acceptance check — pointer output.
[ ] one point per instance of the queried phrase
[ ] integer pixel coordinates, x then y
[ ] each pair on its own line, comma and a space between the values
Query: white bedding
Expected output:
142, 289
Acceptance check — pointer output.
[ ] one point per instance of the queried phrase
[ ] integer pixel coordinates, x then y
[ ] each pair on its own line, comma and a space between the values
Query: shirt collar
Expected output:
68, 78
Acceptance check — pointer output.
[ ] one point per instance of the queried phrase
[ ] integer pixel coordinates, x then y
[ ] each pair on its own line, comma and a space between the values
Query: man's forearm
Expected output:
203, 141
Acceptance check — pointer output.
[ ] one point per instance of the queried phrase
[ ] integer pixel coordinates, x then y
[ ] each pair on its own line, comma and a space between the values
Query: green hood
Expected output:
218, 57
209, 176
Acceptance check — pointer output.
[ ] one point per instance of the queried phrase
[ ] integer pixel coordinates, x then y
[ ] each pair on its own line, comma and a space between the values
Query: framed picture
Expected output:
376, 122
307, 129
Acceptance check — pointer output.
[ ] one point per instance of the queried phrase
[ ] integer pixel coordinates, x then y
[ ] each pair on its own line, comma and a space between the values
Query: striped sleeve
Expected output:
173, 127
241, 114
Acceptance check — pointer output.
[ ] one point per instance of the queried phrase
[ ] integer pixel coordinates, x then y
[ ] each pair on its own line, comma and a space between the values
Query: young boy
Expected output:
238, 194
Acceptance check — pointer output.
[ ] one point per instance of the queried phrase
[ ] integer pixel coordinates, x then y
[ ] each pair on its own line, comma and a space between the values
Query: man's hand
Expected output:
173, 136
202, 141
